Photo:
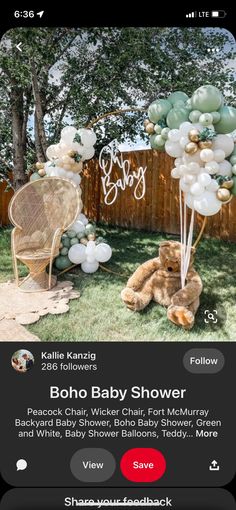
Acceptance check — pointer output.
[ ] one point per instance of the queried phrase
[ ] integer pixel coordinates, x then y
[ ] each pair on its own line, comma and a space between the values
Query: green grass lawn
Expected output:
100, 314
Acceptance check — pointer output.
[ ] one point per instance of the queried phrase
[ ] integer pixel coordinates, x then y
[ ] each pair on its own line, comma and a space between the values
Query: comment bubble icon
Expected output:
21, 465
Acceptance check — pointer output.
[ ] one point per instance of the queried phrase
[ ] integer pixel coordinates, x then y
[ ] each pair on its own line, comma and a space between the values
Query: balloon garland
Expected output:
79, 245
197, 132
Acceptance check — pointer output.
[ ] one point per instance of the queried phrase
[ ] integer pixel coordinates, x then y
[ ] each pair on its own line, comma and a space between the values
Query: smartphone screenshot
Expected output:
117, 260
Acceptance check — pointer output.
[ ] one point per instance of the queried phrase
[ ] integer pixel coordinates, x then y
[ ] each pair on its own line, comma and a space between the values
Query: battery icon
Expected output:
218, 14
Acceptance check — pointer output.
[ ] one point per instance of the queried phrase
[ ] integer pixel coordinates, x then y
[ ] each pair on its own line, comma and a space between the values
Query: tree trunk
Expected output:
19, 175
41, 142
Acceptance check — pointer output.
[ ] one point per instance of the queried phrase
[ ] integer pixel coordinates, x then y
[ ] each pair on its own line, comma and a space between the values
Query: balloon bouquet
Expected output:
79, 245
197, 132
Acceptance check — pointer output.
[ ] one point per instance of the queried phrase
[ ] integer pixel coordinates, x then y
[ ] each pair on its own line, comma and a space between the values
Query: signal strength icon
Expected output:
191, 15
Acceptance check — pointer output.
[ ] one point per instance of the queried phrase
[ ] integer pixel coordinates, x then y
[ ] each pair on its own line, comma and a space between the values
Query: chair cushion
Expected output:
34, 253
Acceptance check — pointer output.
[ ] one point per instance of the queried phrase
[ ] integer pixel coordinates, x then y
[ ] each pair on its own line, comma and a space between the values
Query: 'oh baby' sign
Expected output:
127, 177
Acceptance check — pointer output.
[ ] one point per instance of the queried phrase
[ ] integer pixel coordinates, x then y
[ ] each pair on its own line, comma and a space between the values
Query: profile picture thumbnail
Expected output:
22, 360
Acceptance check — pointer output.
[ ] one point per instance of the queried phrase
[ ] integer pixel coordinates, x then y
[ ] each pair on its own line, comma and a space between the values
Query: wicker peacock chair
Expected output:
41, 211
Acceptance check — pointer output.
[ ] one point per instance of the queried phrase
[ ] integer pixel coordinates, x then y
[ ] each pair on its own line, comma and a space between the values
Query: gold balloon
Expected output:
191, 148
227, 184
149, 128
194, 135
41, 172
72, 153
207, 144
92, 237
223, 194
39, 165
146, 122
84, 241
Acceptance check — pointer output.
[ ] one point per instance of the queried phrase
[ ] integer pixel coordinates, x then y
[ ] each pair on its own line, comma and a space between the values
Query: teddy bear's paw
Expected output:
130, 298
181, 316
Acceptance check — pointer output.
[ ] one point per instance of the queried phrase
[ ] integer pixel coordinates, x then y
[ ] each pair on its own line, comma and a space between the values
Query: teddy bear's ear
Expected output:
165, 243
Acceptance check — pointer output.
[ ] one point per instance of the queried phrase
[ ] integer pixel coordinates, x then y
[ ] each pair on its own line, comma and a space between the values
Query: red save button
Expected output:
143, 465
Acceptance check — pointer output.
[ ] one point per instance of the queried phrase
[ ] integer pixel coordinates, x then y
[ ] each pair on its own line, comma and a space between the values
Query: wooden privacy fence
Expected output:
157, 211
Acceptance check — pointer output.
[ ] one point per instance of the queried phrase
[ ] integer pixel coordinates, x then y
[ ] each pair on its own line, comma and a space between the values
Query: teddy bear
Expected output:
159, 279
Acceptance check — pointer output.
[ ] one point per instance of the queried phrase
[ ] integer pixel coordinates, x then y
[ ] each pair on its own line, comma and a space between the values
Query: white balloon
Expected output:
197, 189
78, 227
183, 141
178, 161
174, 135
183, 169
68, 133
189, 200
83, 218
88, 153
219, 155
225, 169
223, 142
53, 151
77, 179
89, 267
77, 253
207, 204
212, 167
204, 179
189, 179
213, 186
88, 137
206, 155
103, 252
91, 258
173, 149
185, 127
61, 172
194, 168
183, 186
175, 173
90, 248
195, 158
48, 167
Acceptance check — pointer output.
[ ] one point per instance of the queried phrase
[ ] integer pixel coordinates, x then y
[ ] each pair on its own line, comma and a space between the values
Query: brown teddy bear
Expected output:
159, 279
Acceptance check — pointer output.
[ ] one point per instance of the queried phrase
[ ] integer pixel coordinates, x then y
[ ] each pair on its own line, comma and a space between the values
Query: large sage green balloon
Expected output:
62, 262
177, 96
227, 122
207, 99
158, 109
176, 116
155, 142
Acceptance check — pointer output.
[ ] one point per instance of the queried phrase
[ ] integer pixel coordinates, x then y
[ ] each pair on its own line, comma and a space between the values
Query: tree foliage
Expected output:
68, 75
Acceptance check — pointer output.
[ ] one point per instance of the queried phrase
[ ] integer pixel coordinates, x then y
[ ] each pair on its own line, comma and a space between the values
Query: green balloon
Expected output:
157, 129
207, 99
177, 96
155, 142
71, 233
81, 234
179, 104
227, 122
74, 240
90, 229
35, 177
64, 251
62, 262
164, 133
158, 109
194, 116
188, 105
206, 119
233, 159
176, 116
233, 189
65, 241
216, 117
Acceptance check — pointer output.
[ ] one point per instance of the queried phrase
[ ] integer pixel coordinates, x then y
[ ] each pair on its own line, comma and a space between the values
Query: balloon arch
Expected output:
196, 131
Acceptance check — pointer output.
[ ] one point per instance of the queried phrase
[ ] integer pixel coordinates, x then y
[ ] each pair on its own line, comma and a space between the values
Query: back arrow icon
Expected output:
19, 46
